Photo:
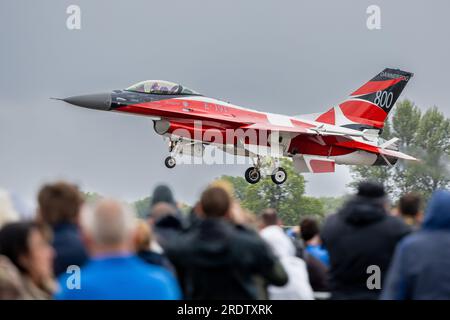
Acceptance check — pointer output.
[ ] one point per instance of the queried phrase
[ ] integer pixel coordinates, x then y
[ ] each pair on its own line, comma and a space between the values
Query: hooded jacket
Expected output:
421, 265
360, 235
218, 260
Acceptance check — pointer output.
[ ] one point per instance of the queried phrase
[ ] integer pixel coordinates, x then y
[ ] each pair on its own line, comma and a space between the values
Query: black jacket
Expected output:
69, 249
362, 234
218, 260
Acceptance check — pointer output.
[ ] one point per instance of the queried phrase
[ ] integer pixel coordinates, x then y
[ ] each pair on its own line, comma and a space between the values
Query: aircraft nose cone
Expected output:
98, 101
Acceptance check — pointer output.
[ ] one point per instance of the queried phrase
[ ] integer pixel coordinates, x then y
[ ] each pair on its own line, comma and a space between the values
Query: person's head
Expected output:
371, 189
269, 217
59, 202
27, 246
108, 227
309, 228
373, 192
215, 202
437, 216
143, 236
162, 193
410, 206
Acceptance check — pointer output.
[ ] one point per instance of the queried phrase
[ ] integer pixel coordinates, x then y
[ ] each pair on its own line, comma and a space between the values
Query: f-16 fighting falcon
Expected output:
347, 133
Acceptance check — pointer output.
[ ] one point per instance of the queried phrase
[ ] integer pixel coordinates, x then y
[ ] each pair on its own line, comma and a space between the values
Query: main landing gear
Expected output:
277, 173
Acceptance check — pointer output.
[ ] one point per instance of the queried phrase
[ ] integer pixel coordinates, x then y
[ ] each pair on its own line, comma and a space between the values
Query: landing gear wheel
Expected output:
170, 162
252, 175
279, 176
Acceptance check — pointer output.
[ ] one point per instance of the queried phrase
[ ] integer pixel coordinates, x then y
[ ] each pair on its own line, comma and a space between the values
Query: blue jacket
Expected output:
421, 264
320, 253
124, 277
68, 247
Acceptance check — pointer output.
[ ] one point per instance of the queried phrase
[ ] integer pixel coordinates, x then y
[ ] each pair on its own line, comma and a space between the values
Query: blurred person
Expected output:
421, 262
309, 232
163, 193
11, 287
238, 215
194, 216
144, 248
165, 221
59, 206
114, 271
27, 248
360, 235
293, 232
164, 215
216, 259
317, 270
410, 209
297, 287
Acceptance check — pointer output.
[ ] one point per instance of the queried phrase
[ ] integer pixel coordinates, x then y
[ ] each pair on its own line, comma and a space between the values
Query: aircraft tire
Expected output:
279, 176
170, 162
252, 175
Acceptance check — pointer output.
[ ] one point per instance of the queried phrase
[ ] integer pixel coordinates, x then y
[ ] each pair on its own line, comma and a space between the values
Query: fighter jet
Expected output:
346, 134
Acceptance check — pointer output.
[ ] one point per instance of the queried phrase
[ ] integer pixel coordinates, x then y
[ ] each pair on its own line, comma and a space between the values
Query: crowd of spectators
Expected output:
368, 249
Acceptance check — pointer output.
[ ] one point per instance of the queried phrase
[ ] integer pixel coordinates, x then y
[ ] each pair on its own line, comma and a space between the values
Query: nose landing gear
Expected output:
174, 149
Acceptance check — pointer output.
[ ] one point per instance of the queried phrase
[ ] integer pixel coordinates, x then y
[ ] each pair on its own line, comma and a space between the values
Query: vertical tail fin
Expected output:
368, 106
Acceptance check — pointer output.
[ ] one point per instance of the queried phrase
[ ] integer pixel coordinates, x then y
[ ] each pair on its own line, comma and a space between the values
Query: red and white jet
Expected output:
348, 133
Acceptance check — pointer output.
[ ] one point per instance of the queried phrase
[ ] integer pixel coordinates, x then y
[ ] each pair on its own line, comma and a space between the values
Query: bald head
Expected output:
109, 223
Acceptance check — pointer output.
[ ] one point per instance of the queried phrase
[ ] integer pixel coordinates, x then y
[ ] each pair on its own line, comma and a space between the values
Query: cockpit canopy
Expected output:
160, 87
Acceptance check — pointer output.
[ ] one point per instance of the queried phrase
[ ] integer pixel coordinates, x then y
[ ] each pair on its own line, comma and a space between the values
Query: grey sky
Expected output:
289, 57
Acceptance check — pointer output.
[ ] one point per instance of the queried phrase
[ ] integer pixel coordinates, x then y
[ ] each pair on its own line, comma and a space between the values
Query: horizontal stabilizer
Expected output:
397, 154
352, 144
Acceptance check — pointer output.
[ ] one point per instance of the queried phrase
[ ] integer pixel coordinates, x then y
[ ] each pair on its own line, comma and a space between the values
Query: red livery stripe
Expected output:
327, 117
363, 112
321, 166
373, 86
